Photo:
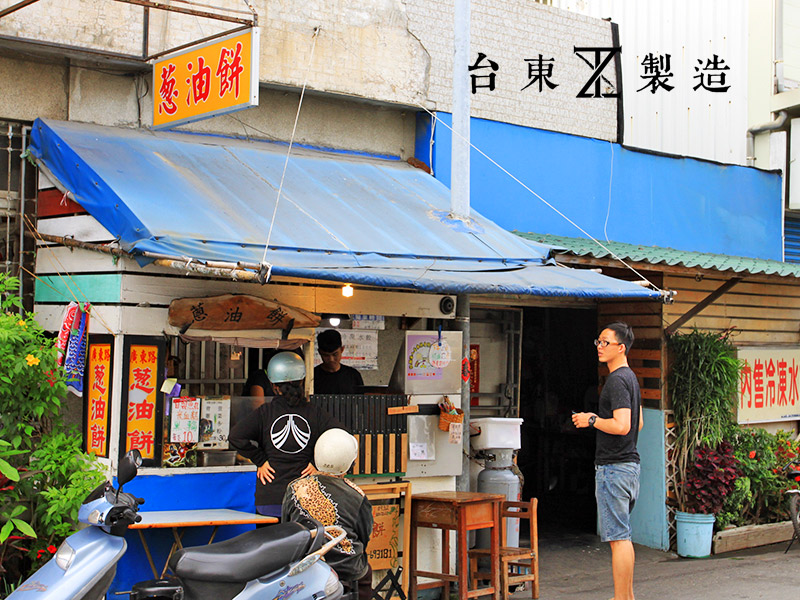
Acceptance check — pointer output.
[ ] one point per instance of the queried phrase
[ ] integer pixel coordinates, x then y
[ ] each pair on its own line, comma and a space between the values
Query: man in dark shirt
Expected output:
332, 377
616, 457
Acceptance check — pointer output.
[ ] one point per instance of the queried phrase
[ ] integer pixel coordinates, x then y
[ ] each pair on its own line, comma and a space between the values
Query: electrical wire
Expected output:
315, 36
526, 187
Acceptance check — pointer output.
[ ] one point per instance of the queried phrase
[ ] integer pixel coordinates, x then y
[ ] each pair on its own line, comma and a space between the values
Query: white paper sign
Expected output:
418, 451
360, 349
215, 423
456, 433
185, 420
439, 355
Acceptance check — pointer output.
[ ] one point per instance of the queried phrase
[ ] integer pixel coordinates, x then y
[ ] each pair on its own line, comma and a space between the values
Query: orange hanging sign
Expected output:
98, 388
204, 81
142, 391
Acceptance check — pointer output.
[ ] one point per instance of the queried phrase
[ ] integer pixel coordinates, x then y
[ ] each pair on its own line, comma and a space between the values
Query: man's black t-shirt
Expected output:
258, 377
346, 380
285, 436
620, 391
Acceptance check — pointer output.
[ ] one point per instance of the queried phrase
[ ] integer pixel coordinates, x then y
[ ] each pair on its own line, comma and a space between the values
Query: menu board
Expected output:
215, 421
185, 422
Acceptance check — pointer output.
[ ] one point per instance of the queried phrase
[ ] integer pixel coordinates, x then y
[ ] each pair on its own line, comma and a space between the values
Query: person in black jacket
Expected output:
279, 436
327, 497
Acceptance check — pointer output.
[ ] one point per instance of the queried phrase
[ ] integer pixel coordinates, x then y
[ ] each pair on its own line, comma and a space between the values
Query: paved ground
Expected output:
579, 566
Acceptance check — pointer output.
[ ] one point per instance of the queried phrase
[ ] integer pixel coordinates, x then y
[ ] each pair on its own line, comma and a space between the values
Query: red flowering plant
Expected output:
710, 480
758, 495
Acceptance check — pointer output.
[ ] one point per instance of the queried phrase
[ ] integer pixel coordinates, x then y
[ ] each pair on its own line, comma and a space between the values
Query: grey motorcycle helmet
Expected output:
285, 367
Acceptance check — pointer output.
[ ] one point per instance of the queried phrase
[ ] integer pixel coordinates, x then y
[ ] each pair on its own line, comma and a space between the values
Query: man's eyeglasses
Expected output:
604, 343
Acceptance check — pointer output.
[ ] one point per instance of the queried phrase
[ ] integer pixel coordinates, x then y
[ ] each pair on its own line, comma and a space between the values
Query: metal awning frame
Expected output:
243, 23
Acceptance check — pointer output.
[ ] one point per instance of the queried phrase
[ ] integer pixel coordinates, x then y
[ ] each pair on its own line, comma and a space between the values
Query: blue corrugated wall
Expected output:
646, 199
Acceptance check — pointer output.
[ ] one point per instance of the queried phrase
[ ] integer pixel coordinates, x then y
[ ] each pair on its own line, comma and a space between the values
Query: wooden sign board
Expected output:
382, 551
237, 312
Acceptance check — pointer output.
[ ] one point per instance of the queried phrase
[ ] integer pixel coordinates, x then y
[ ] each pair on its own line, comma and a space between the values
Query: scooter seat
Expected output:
245, 557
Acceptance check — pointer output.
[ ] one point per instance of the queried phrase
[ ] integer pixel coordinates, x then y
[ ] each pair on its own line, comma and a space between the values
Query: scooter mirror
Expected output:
128, 466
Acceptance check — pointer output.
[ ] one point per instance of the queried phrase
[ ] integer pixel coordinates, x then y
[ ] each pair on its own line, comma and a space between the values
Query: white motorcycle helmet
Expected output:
285, 367
335, 452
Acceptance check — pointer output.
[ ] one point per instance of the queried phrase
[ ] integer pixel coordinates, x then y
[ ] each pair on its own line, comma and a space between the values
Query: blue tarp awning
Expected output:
340, 217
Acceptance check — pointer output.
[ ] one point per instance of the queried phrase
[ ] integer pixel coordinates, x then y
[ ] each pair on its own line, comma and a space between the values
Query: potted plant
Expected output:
702, 383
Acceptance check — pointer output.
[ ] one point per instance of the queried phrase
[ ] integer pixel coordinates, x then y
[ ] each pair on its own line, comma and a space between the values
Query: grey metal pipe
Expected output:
459, 182
462, 325
775, 125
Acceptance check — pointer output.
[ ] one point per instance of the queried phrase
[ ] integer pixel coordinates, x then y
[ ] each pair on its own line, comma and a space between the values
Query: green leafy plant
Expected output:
66, 476
44, 474
702, 385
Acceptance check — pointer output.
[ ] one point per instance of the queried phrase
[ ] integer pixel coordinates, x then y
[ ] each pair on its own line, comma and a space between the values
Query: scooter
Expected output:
272, 563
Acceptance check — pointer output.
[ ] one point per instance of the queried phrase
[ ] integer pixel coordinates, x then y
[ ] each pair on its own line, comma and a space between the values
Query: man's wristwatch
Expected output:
592, 419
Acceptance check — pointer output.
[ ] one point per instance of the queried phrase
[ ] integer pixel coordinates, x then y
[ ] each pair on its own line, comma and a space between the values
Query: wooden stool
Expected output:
460, 512
519, 565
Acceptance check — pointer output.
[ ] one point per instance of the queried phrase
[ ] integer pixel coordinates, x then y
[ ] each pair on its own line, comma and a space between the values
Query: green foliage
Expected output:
44, 474
31, 383
67, 475
702, 384
759, 495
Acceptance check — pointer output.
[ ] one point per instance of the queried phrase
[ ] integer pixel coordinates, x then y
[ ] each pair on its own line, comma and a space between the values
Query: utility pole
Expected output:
459, 195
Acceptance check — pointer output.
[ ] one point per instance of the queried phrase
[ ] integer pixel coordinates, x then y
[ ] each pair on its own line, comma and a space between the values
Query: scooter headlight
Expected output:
332, 585
64, 555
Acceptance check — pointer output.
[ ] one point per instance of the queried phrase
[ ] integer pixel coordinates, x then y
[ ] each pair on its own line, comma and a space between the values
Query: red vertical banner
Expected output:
475, 368
98, 397
142, 393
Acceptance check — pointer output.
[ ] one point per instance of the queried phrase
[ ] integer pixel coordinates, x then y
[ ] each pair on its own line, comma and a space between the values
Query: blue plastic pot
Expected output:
695, 532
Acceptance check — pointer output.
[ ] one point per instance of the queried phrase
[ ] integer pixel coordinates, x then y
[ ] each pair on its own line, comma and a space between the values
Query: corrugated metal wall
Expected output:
791, 240
683, 121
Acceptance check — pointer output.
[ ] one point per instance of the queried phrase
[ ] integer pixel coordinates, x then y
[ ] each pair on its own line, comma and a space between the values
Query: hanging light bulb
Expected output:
334, 321
347, 291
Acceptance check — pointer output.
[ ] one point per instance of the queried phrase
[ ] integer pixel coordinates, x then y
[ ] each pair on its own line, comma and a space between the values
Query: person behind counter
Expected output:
279, 436
329, 498
332, 377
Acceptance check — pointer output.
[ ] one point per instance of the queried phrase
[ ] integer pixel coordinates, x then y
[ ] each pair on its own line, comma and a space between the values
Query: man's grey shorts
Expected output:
616, 490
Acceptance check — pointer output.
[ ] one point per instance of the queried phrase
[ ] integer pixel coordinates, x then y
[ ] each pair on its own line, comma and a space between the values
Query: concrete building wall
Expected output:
36, 89
509, 33
389, 51
363, 49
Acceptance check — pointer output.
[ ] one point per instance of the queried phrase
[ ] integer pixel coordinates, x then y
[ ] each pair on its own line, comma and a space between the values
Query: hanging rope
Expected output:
289, 151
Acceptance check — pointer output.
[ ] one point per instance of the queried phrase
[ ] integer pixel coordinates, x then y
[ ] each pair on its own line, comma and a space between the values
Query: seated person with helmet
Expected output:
326, 496
279, 436
332, 377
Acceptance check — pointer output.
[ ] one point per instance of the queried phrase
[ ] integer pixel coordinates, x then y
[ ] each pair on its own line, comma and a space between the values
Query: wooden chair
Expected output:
517, 565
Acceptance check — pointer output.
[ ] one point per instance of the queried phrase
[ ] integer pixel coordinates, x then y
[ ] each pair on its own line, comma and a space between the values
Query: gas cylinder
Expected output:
498, 477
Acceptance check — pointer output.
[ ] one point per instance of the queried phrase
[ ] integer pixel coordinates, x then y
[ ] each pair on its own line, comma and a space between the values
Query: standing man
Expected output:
332, 377
616, 457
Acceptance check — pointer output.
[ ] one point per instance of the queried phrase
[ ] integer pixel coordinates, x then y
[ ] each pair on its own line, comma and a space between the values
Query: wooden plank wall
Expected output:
762, 312
647, 357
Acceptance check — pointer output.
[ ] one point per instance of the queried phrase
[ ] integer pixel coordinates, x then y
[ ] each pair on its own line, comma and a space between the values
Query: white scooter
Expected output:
272, 563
